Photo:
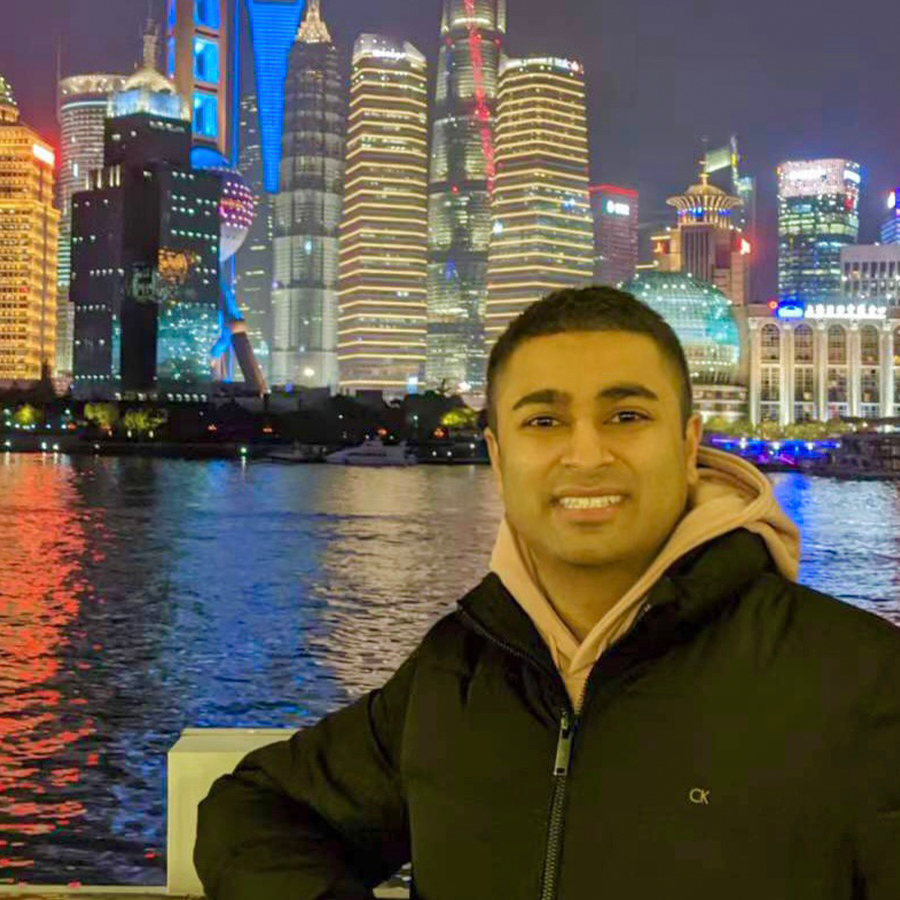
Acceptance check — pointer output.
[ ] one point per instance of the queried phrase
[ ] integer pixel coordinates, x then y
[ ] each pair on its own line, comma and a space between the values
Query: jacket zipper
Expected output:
568, 725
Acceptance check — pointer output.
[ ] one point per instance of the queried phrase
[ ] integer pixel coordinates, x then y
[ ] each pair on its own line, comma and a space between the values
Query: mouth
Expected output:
589, 509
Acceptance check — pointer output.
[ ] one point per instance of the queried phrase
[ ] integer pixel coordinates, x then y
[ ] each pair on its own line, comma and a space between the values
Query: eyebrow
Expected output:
613, 392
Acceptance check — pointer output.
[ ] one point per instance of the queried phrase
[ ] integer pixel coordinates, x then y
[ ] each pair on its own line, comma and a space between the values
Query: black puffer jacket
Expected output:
740, 742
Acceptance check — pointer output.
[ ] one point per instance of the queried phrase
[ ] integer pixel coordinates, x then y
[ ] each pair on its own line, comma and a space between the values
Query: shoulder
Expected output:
821, 626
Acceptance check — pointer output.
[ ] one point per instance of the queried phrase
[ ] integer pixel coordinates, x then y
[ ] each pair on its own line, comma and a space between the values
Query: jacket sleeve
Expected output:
877, 839
319, 816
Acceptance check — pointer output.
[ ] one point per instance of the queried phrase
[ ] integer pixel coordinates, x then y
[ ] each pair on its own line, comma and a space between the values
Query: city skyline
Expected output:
785, 99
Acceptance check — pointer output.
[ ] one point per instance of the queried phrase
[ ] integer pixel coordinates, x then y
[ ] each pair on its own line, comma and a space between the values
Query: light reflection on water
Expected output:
139, 597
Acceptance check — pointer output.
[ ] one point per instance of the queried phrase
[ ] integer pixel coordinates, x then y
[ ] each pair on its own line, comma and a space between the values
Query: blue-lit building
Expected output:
145, 253
202, 61
890, 228
273, 29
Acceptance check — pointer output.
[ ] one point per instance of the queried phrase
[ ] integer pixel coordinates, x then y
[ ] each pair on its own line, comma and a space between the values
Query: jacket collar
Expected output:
696, 587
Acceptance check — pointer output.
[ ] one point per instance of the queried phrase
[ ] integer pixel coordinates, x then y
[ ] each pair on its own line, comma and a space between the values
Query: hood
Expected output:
730, 493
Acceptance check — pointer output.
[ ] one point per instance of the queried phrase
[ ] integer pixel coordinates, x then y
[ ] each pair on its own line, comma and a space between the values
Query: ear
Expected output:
693, 434
494, 454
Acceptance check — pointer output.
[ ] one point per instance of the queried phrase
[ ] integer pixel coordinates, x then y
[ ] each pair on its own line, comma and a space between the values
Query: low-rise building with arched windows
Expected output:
824, 361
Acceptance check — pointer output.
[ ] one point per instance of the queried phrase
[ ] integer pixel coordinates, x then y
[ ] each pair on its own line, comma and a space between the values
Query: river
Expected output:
139, 597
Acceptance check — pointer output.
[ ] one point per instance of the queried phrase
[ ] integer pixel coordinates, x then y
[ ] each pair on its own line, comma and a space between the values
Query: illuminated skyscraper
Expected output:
723, 166
818, 214
81, 111
308, 211
463, 169
615, 233
384, 227
273, 28
253, 262
542, 232
145, 252
202, 60
29, 225
706, 243
890, 228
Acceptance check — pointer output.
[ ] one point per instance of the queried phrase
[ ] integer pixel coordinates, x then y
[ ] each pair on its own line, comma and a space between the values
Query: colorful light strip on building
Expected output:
273, 28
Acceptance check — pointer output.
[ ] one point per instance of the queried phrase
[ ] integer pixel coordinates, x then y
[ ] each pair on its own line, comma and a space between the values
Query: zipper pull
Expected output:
564, 744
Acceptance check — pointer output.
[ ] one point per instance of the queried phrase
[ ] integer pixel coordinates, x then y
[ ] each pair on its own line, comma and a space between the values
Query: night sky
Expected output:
792, 78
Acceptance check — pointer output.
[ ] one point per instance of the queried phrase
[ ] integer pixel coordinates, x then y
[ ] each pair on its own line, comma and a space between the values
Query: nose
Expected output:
586, 448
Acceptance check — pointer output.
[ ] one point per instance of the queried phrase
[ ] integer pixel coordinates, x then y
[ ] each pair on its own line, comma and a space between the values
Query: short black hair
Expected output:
593, 308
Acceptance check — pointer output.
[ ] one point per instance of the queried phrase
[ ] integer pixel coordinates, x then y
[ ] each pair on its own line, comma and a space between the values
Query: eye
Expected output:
631, 412
625, 412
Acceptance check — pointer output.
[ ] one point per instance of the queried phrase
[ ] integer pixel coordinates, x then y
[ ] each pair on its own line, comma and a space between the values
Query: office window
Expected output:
206, 12
206, 60
206, 115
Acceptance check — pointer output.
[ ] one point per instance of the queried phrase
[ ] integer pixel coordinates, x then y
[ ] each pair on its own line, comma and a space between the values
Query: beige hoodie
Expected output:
731, 493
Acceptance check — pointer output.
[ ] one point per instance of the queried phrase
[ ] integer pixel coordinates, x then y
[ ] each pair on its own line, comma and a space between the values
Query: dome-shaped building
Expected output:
701, 316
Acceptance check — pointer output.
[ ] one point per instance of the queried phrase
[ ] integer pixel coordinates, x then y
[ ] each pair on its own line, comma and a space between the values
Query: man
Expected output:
638, 701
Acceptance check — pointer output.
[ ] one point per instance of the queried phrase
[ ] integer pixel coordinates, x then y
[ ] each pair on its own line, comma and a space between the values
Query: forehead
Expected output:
581, 362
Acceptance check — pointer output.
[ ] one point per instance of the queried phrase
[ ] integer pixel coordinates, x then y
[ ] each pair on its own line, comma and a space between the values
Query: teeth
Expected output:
590, 502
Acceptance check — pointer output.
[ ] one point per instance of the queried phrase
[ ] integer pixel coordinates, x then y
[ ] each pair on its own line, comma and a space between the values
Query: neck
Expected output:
583, 595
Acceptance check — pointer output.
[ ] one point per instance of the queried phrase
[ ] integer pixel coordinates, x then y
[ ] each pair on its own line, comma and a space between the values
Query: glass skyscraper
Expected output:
81, 112
308, 211
890, 228
253, 261
542, 236
145, 252
384, 227
615, 233
28, 246
463, 171
273, 28
818, 214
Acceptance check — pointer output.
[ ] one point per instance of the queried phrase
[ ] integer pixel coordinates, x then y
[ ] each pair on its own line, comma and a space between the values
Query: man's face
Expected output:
629, 443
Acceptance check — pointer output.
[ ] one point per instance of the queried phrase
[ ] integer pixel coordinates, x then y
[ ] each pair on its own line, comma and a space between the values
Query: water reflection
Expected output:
140, 597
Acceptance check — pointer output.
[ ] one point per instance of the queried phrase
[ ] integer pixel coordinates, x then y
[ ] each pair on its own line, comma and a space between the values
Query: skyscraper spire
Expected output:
151, 45
313, 29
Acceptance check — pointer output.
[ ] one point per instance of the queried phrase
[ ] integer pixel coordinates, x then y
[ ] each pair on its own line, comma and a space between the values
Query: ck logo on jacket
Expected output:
699, 795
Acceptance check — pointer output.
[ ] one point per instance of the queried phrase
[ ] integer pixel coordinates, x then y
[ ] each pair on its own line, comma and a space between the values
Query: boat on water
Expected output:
299, 453
864, 454
374, 452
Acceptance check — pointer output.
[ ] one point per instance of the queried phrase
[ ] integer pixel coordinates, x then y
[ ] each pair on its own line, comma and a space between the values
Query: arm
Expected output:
320, 816
877, 838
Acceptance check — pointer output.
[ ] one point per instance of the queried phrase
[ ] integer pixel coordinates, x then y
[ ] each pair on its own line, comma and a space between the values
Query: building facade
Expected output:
29, 232
145, 254
273, 29
542, 235
706, 243
463, 170
202, 60
723, 166
384, 226
824, 360
253, 261
308, 211
871, 272
81, 112
818, 215
890, 228
615, 211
